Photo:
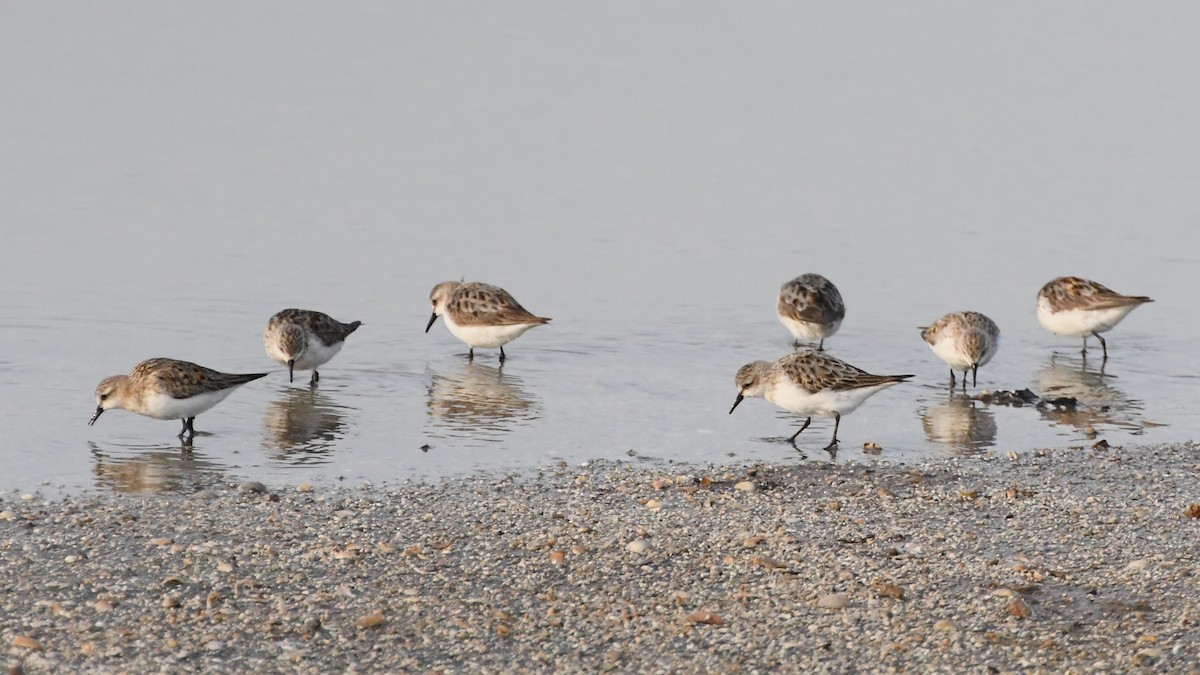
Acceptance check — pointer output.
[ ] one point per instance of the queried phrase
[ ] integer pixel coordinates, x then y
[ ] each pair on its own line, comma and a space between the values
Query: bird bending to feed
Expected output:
480, 315
811, 383
168, 389
302, 339
811, 307
964, 340
1079, 308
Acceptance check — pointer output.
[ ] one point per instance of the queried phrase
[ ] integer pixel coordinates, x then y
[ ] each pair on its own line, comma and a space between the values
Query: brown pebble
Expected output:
888, 589
705, 617
944, 625
26, 642
1192, 511
557, 557
751, 542
372, 620
1100, 445
1019, 608
169, 602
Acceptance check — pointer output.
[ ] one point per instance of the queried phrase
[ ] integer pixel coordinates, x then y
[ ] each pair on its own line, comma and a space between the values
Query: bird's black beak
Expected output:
736, 402
96, 415
431, 320
291, 367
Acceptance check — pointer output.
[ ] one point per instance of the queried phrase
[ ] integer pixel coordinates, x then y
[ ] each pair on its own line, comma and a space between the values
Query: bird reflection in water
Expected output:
479, 401
965, 425
302, 425
155, 468
1098, 401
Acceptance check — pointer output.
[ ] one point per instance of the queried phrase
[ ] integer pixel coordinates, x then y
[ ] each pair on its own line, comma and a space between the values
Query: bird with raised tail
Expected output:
811, 383
964, 340
1079, 308
481, 315
302, 339
168, 389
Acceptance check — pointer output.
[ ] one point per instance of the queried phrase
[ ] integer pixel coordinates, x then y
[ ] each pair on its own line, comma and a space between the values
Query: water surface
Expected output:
647, 176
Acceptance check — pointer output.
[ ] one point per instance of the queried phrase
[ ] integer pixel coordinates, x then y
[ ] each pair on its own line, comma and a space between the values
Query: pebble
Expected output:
304, 487
705, 617
637, 546
252, 487
744, 486
833, 601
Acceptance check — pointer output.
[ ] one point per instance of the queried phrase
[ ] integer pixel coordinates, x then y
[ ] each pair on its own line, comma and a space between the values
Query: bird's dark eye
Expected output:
103, 397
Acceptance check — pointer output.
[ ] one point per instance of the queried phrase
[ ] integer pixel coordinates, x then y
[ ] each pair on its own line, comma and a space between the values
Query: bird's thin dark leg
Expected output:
804, 426
1084, 352
1103, 345
837, 422
316, 377
188, 430
796, 344
471, 355
952, 378
502, 356
184, 430
821, 345
974, 376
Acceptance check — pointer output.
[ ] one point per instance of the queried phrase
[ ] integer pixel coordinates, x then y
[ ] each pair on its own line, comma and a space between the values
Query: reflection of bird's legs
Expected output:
315, 378
804, 426
837, 422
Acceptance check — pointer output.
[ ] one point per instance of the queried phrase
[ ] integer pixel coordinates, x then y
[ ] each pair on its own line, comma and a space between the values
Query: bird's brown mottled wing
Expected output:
328, 329
815, 371
1067, 293
476, 304
183, 379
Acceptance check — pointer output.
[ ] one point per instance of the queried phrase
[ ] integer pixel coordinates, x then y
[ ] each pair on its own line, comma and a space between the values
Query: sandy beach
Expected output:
1065, 560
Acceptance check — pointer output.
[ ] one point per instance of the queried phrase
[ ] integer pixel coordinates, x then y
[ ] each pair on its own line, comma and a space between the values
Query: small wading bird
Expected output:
168, 389
964, 340
480, 315
302, 339
1079, 308
811, 307
811, 383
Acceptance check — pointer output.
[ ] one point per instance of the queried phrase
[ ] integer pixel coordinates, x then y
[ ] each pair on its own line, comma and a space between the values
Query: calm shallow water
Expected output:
647, 177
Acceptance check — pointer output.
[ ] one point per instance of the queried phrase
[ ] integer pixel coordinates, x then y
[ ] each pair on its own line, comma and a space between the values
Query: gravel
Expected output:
1069, 560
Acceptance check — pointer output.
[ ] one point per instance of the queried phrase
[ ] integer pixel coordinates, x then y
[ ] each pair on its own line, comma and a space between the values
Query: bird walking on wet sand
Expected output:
302, 339
811, 383
964, 340
811, 307
1079, 308
481, 315
168, 389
